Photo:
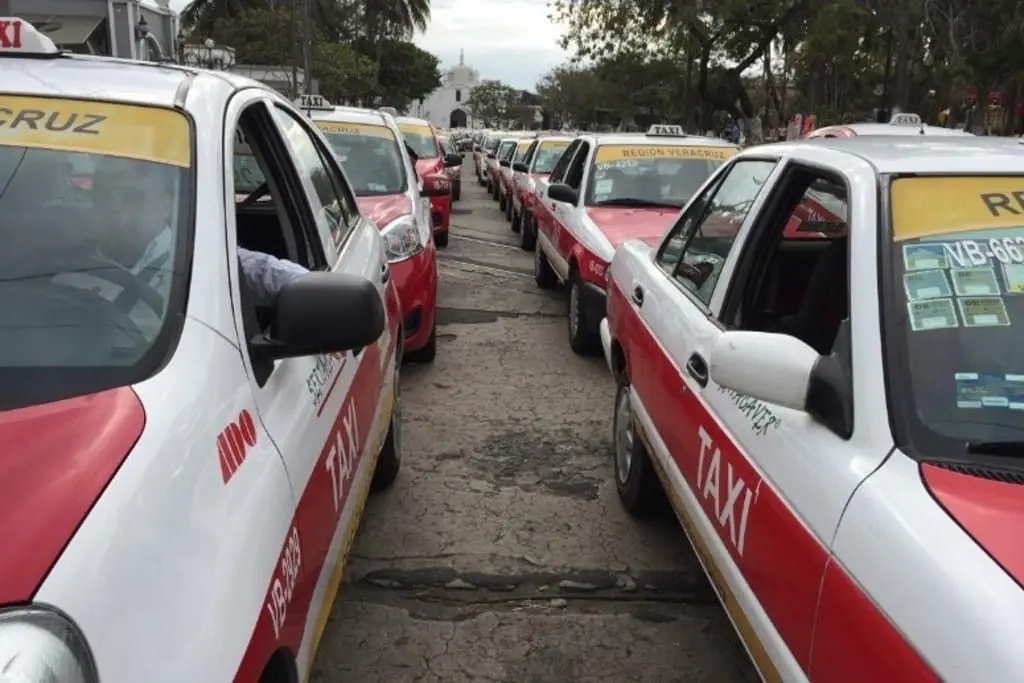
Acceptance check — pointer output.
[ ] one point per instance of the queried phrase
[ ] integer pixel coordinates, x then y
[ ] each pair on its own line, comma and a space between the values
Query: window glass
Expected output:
562, 165
708, 228
651, 175
420, 137
95, 231
521, 150
370, 156
548, 154
821, 213
325, 189
574, 176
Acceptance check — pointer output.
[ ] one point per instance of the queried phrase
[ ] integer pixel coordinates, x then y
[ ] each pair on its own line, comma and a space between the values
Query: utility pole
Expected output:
307, 45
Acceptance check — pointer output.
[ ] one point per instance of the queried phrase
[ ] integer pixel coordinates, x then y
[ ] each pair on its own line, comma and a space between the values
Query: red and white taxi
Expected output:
189, 436
504, 149
603, 190
379, 170
837, 421
422, 142
903, 123
506, 174
540, 159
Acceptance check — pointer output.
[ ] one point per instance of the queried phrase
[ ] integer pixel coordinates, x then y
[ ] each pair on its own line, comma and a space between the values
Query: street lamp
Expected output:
142, 29
208, 55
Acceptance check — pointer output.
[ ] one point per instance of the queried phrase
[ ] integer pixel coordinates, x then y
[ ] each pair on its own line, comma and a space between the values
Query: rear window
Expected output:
370, 156
955, 304
96, 202
420, 138
656, 175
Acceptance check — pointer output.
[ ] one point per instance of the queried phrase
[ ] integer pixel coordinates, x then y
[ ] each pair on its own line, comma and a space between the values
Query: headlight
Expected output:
40, 646
402, 240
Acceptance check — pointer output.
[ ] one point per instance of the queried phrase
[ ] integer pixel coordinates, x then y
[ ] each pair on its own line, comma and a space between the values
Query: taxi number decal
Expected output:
341, 459
355, 129
285, 577
607, 153
723, 492
121, 130
322, 378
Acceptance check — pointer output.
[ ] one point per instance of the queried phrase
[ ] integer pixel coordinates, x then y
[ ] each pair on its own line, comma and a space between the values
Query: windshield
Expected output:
370, 156
447, 147
548, 155
491, 144
96, 233
956, 310
421, 138
651, 174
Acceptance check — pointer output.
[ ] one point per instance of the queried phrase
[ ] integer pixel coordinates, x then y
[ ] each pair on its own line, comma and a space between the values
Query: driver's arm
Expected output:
266, 274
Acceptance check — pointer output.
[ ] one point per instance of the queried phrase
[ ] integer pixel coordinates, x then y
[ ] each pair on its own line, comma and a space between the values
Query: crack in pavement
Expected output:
447, 315
512, 270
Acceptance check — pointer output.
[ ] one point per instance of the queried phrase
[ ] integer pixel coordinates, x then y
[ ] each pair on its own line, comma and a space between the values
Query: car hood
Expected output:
426, 166
56, 460
990, 511
384, 208
623, 223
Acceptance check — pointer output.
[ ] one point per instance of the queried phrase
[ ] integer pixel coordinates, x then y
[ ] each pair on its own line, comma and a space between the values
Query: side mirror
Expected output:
436, 186
491, 155
520, 167
505, 163
452, 160
320, 313
561, 192
781, 369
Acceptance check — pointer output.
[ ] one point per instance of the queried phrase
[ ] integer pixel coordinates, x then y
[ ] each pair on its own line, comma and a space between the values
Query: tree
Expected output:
385, 19
572, 94
407, 73
490, 102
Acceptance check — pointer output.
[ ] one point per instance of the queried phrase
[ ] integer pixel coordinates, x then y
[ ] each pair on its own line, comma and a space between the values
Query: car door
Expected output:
568, 218
318, 410
545, 215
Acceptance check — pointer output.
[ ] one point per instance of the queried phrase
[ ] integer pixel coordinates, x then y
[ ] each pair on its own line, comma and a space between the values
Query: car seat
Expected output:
825, 302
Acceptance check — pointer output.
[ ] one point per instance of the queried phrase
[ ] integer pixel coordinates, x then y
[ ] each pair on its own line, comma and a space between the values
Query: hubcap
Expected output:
574, 309
623, 435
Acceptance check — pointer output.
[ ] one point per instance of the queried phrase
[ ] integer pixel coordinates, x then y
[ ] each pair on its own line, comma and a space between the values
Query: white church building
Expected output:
446, 106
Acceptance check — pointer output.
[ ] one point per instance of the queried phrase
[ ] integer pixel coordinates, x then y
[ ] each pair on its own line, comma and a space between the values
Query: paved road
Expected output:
501, 553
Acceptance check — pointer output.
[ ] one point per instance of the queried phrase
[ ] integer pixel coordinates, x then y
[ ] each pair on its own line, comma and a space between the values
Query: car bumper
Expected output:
606, 343
416, 282
594, 302
440, 213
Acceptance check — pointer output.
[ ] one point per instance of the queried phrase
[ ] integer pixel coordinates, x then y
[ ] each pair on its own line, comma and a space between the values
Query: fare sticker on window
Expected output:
932, 314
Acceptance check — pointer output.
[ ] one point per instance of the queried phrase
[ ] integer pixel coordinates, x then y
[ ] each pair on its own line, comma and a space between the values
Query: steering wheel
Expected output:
133, 288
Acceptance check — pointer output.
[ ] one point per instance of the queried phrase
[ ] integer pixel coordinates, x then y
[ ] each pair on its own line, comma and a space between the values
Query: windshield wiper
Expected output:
1007, 449
632, 201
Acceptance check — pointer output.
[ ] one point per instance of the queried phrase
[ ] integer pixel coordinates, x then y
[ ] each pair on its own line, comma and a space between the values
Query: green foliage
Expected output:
491, 102
407, 73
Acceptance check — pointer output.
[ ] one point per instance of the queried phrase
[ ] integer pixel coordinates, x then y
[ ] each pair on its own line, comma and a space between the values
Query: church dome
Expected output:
462, 74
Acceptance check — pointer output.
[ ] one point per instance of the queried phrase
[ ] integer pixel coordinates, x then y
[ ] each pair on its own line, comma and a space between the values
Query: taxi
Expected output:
454, 173
501, 146
540, 159
189, 435
379, 169
422, 142
837, 422
901, 123
603, 190
506, 175
485, 156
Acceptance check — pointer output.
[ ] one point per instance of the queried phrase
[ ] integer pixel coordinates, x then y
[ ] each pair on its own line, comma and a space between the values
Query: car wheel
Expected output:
456, 190
502, 202
508, 208
542, 271
480, 179
441, 239
527, 233
517, 222
495, 191
581, 339
635, 479
428, 353
390, 460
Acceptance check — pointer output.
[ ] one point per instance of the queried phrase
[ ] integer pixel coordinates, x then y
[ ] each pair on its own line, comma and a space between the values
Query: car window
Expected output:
333, 209
820, 214
548, 154
370, 155
531, 152
574, 174
955, 302
521, 151
97, 246
701, 240
447, 146
562, 165
506, 150
420, 137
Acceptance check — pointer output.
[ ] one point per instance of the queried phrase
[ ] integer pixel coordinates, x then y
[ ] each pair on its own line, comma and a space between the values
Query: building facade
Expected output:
446, 106
120, 28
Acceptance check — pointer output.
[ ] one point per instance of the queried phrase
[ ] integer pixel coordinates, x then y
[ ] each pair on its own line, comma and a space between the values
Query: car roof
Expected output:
961, 154
889, 129
350, 115
412, 119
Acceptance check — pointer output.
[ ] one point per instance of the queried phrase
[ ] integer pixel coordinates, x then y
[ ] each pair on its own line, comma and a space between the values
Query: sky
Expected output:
512, 41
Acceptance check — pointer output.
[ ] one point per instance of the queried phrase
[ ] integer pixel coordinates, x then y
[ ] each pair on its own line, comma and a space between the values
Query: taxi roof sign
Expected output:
312, 102
666, 130
18, 36
905, 119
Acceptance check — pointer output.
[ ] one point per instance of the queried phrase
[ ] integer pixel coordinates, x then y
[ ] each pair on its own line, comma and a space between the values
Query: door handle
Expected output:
698, 369
638, 295
385, 273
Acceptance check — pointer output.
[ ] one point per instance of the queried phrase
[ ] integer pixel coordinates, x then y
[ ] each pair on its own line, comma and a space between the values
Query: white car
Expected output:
901, 124
189, 439
836, 411
537, 163
506, 175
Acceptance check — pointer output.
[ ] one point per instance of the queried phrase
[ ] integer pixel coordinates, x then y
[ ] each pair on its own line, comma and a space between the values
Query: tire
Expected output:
480, 179
428, 353
441, 239
508, 209
390, 460
635, 479
581, 339
527, 233
542, 271
517, 221
495, 191
456, 190
502, 202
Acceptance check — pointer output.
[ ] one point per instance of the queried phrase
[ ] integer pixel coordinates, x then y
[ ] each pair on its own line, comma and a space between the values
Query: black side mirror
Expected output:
491, 155
520, 167
505, 163
451, 160
320, 313
561, 192
830, 390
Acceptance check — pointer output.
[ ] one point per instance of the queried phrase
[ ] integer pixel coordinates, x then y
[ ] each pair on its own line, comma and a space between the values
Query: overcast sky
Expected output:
507, 40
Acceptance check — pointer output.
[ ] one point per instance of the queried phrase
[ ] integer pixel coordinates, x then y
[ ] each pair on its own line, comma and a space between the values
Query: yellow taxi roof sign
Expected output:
666, 130
313, 102
19, 37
